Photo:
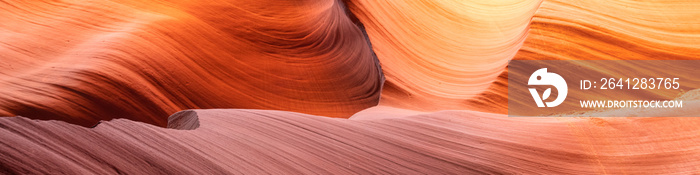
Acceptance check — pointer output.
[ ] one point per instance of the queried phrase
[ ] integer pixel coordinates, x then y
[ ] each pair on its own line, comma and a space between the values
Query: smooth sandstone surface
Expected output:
437, 55
242, 141
451, 54
85, 61
441, 110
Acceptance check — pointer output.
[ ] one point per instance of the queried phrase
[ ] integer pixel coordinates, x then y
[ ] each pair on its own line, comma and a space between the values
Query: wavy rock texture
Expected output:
278, 142
621, 29
608, 30
428, 48
85, 61
438, 54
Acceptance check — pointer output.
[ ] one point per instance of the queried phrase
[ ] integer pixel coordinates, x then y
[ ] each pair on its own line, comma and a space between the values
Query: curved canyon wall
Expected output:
438, 54
441, 110
88, 61
451, 54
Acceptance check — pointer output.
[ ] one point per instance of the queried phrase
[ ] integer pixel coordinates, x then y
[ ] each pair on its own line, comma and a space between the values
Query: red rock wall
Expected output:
87, 61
